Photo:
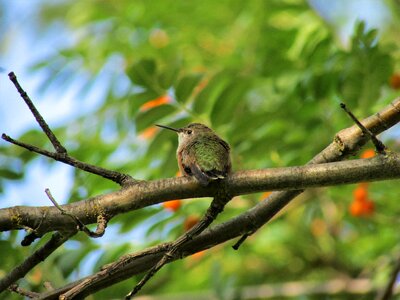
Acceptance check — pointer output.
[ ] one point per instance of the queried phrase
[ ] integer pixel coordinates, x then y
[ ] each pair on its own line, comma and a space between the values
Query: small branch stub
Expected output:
379, 146
101, 220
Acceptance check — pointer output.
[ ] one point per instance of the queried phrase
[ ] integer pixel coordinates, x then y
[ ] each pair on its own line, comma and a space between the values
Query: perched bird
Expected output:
201, 153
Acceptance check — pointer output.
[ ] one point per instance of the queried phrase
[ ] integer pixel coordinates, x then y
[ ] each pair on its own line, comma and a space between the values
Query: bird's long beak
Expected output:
170, 128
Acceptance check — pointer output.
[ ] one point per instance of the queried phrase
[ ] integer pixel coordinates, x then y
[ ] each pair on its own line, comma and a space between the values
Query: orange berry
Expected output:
172, 205
360, 193
368, 153
356, 208
156, 102
394, 81
369, 207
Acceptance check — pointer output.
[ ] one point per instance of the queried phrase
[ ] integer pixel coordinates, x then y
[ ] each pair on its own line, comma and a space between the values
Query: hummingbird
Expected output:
201, 153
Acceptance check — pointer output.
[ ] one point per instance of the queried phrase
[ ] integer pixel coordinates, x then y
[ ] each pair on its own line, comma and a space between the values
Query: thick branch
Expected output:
49, 218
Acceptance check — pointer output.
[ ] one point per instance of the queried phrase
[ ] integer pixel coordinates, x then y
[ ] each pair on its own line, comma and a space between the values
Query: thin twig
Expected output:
56, 240
23, 292
215, 208
241, 240
101, 220
120, 178
61, 153
379, 146
46, 129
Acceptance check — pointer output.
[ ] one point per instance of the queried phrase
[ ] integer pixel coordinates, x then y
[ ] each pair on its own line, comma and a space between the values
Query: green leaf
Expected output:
229, 101
186, 86
206, 98
143, 73
9, 174
152, 116
69, 261
168, 77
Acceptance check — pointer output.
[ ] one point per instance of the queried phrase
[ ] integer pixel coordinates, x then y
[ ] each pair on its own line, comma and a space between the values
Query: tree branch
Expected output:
239, 183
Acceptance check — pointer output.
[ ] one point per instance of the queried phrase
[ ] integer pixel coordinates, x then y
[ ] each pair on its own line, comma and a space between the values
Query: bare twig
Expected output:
23, 292
120, 178
379, 146
241, 240
61, 153
388, 291
57, 239
46, 129
101, 220
215, 208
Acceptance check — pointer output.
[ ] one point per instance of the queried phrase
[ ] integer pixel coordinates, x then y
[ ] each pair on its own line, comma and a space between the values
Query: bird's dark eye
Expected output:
189, 132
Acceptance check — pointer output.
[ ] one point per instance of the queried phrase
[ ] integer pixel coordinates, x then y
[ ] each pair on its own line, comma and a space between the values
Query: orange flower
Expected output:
172, 205
368, 153
361, 205
360, 193
156, 102
394, 81
356, 208
362, 208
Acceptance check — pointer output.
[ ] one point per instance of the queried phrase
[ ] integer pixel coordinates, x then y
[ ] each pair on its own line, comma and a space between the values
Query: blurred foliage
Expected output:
268, 77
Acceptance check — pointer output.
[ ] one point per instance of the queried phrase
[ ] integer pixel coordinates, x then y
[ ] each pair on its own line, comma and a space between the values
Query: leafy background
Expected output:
267, 76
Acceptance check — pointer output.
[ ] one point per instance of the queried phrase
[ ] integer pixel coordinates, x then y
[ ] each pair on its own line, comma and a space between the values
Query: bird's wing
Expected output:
212, 158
